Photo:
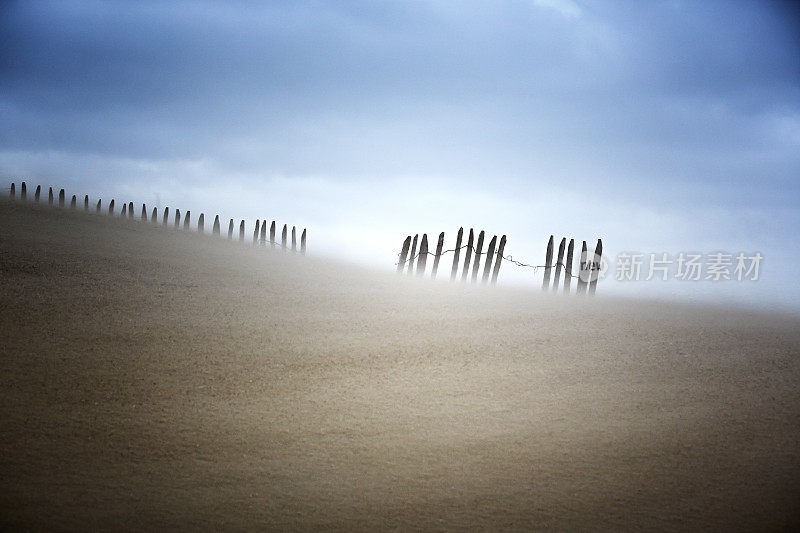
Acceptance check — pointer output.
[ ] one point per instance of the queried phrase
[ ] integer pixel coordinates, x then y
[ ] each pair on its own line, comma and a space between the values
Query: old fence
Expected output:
127, 211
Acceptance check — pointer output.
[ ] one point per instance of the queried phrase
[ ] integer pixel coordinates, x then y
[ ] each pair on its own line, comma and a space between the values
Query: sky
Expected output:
660, 127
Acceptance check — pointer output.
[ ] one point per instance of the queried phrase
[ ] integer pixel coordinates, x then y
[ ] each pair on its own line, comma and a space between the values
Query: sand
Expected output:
154, 378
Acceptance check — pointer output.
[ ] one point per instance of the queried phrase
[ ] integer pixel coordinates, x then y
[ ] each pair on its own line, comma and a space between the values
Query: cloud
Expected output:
567, 8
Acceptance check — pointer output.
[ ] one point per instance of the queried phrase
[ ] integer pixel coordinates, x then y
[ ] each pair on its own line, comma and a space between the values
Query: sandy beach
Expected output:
158, 379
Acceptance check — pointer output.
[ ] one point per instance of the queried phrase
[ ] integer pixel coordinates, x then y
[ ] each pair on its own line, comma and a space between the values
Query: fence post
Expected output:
559, 264
568, 266
50, 196
23, 191
111, 207
215, 227
303, 242
283, 238
74, 202
581, 267
165, 220
454, 269
99, 201
598, 254
272, 234
467, 257
263, 238
294, 239
547, 264
144, 212
177, 218
38, 193
401, 263
124, 210
476, 263
423, 255
130, 210
500, 250
438, 255
241, 230
411, 255
186, 220
61, 198
255, 231
154, 216
230, 230
201, 223
487, 268
13, 193
86, 203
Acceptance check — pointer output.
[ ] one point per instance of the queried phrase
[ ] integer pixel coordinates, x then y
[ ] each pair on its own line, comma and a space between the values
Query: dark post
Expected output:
124, 210
476, 263
454, 270
241, 230
438, 255
61, 198
154, 216
111, 207
272, 234
548, 263
303, 242
38, 193
255, 232
423, 255
264, 233
74, 202
568, 266
559, 263
487, 268
201, 223
215, 228
500, 250
130, 210
411, 255
177, 218
86, 203
283, 237
294, 239
144, 213
230, 230
99, 202
401, 263
165, 220
598, 254
581, 273
13, 190
186, 219
23, 192
50, 196
468, 256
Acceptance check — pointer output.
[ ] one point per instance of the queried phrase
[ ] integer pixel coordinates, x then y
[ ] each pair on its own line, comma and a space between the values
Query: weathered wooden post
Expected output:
230, 230
423, 255
294, 239
283, 237
23, 192
476, 263
201, 223
264, 233
568, 266
272, 234
154, 216
303, 242
438, 255
559, 264
454, 269
124, 210
165, 220
13, 192
467, 257
598, 254
186, 219
111, 207
177, 218
548, 263
144, 213
487, 268
61, 198
401, 263
500, 250
74, 202
241, 230
412, 255
130, 209
37, 194
50, 196
86, 203
215, 227
99, 205
581, 271
255, 232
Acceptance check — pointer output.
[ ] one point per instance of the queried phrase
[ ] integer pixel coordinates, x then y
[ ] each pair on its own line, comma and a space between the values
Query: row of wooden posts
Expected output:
259, 233
588, 269
408, 255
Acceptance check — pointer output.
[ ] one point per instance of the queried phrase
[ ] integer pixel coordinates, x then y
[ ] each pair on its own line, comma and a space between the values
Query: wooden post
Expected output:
86, 203
411, 255
548, 263
468, 256
476, 263
598, 254
500, 250
124, 210
438, 255
186, 220
215, 227
487, 268
294, 239
165, 220
74, 202
423, 255
61, 198
130, 210
13, 193
241, 230
50, 196
144, 212
559, 264
272, 234
283, 237
568, 266
230, 230
201, 223
255, 231
401, 263
303, 242
581, 273
154, 216
23, 192
264, 233
111, 207
454, 269
99, 202
38, 193
177, 218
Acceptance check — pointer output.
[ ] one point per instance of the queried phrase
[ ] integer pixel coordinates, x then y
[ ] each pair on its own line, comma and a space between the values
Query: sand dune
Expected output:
154, 378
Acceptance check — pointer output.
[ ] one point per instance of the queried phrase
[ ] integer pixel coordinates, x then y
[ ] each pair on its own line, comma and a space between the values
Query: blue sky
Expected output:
660, 126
